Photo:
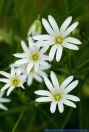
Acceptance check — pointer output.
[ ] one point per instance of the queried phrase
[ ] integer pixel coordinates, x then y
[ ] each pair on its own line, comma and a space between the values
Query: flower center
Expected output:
58, 97
35, 56
15, 81
59, 40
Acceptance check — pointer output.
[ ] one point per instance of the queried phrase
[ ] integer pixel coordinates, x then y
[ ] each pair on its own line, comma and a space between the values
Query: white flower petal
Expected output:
29, 80
48, 84
53, 24
36, 48
21, 61
32, 31
5, 74
42, 73
59, 53
47, 26
38, 78
70, 46
53, 107
41, 43
3, 107
60, 107
29, 67
24, 47
44, 63
3, 100
43, 92
1, 93
54, 80
65, 24
10, 90
71, 86
45, 57
23, 77
20, 55
43, 37
66, 82
5, 87
69, 103
70, 29
19, 71
43, 99
12, 71
72, 97
52, 52
4, 80
22, 86
72, 40
31, 43
36, 66
45, 67
44, 49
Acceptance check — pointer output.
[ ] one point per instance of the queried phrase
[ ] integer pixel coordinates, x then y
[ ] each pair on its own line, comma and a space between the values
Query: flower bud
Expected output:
35, 29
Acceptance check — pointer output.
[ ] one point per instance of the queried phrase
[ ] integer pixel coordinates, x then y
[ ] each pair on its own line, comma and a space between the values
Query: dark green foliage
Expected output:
24, 115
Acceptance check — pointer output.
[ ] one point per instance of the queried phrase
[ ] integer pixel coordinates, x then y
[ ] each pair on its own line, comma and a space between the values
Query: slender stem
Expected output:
83, 64
85, 36
15, 110
66, 119
18, 121
77, 7
74, 9
67, 7
46, 115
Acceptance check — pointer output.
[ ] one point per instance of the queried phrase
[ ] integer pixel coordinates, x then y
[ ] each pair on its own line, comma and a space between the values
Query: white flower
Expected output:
58, 38
33, 56
35, 29
12, 80
3, 100
38, 76
58, 94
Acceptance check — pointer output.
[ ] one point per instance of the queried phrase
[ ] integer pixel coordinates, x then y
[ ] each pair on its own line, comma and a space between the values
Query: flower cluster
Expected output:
33, 62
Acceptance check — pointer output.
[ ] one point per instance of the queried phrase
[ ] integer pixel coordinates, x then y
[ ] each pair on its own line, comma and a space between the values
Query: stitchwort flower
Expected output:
58, 37
33, 56
38, 76
12, 80
58, 94
3, 100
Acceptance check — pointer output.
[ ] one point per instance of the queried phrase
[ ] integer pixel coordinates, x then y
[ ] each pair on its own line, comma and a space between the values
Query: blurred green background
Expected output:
24, 115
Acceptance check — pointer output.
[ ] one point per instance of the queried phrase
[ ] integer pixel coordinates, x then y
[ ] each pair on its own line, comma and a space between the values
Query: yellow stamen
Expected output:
58, 97
59, 40
35, 56
15, 81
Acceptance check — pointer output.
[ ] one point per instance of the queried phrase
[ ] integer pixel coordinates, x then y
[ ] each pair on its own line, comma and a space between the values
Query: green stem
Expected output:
18, 121
15, 110
74, 9
67, 7
48, 118
84, 35
66, 119
83, 64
